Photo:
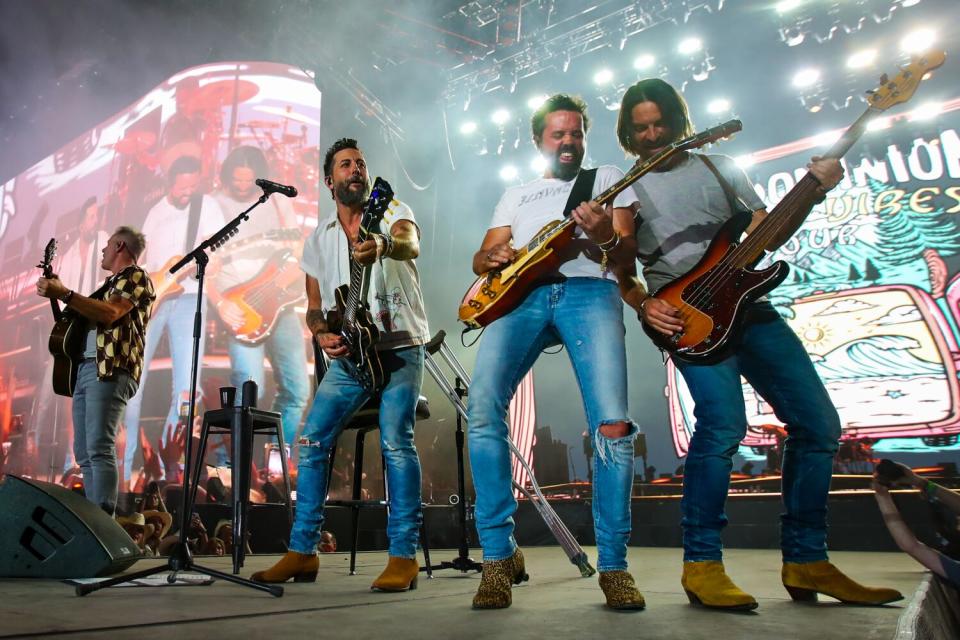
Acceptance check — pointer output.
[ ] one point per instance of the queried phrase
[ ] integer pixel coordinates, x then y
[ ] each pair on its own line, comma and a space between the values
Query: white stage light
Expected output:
918, 41
826, 139
878, 124
862, 59
908, 3
745, 161
509, 173
926, 111
604, 76
720, 105
539, 164
806, 77
785, 6
643, 62
689, 46
535, 102
500, 116
468, 127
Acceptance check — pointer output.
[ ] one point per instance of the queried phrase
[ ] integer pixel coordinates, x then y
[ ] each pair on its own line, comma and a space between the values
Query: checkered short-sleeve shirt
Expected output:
120, 345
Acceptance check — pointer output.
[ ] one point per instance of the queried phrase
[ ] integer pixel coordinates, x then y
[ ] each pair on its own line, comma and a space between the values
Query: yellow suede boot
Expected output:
400, 575
804, 581
302, 567
621, 591
496, 580
707, 584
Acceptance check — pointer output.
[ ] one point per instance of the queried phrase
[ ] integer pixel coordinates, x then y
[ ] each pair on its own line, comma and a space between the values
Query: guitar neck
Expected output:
795, 205
359, 282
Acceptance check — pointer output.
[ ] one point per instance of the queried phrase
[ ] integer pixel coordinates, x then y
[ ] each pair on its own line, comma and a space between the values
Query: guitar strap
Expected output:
734, 201
582, 190
193, 223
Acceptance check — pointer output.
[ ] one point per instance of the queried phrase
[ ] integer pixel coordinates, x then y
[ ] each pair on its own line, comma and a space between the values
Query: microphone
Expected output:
274, 187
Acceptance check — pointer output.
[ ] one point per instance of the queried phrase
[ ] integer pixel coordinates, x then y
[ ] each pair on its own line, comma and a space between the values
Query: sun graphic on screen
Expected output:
815, 334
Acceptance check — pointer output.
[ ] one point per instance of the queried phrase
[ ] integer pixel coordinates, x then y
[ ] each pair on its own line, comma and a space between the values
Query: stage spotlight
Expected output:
908, 3
877, 124
720, 105
500, 116
806, 78
603, 76
862, 59
468, 127
539, 164
535, 102
918, 41
689, 46
785, 6
745, 162
926, 111
643, 62
509, 173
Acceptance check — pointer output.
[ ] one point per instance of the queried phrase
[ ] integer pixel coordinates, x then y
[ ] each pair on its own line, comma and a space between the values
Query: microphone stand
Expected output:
181, 558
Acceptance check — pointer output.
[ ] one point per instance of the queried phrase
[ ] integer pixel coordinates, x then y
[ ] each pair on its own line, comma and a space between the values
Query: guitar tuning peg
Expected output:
884, 79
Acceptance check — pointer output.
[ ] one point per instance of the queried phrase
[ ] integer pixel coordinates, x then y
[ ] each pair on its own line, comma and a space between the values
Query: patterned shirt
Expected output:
120, 345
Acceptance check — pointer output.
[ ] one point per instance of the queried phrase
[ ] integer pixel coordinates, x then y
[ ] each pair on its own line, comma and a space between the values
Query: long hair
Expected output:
243, 156
673, 108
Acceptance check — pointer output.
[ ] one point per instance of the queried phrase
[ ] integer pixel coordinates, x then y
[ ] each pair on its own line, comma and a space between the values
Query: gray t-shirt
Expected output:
681, 211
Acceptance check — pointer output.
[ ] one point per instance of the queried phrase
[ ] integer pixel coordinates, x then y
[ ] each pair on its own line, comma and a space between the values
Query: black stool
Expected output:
242, 423
365, 420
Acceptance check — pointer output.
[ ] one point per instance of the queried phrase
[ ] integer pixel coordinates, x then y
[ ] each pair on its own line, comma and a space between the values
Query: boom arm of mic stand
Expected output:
218, 239
574, 551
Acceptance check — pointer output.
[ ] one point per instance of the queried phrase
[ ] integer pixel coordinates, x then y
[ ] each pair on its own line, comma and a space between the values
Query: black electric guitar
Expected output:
351, 318
713, 295
67, 336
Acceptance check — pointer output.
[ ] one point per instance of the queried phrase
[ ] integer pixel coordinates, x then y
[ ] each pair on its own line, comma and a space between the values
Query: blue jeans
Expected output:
772, 359
176, 317
97, 407
288, 358
586, 316
338, 397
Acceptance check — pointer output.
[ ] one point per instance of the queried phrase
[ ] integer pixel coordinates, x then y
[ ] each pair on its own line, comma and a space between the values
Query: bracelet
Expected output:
378, 240
388, 242
611, 243
67, 298
643, 302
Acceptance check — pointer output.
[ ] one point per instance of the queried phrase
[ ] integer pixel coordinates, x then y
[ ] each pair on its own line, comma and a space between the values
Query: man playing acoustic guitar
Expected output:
682, 207
580, 308
117, 314
330, 256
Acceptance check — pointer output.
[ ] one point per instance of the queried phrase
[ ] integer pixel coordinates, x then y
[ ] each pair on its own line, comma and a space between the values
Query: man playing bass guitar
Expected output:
682, 207
117, 315
396, 305
579, 307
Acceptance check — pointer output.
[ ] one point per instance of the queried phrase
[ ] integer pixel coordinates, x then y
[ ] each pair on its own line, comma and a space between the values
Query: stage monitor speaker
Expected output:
48, 531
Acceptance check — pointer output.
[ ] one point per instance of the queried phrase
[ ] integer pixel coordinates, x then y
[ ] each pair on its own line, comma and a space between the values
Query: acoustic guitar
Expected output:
500, 291
67, 337
712, 296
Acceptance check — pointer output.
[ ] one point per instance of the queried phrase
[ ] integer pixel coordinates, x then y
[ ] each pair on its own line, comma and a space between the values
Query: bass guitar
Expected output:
499, 291
165, 284
67, 336
351, 318
713, 296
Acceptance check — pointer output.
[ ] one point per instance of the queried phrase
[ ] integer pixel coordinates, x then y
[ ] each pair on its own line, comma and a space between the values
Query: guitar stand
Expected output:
181, 558
456, 393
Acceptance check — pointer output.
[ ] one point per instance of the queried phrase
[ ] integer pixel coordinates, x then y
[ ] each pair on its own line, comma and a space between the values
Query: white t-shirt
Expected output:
80, 270
396, 302
528, 207
166, 229
244, 256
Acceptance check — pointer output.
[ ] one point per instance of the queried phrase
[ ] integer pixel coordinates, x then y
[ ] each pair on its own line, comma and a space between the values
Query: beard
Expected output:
347, 196
566, 170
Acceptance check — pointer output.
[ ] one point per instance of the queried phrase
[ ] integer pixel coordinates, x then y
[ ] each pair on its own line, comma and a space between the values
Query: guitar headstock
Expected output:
380, 198
49, 253
707, 136
901, 87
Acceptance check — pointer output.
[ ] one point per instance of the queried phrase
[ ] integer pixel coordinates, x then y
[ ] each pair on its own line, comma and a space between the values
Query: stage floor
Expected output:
556, 603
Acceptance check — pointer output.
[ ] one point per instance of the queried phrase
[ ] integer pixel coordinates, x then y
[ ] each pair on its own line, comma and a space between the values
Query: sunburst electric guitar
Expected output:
713, 295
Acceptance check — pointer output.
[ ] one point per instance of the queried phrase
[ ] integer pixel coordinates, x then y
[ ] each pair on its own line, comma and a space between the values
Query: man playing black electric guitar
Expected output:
681, 208
396, 305
112, 359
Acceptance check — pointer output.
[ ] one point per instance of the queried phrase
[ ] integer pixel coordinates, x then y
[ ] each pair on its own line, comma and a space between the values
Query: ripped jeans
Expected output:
338, 397
586, 316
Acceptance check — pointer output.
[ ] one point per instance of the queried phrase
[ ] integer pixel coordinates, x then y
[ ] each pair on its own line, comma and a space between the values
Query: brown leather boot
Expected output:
400, 575
496, 580
302, 567
707, 584
621, 591
804, 581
